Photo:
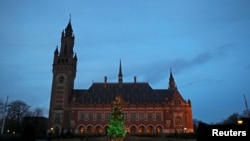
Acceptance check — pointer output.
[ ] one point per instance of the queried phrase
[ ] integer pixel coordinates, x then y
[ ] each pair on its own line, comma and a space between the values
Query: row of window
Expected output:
90, 116
178, 120
62, 60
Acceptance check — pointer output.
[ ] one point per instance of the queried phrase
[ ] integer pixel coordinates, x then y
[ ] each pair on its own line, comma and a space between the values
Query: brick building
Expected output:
146, 110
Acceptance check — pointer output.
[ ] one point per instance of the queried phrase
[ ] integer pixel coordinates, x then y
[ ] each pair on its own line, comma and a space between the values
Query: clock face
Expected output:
61, 78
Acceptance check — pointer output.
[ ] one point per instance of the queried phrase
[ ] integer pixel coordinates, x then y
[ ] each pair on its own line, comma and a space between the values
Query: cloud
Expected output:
180, 64
158, 71
203, 81
223, 50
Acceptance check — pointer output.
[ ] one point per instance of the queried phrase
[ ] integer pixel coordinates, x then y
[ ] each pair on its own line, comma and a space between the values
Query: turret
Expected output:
171, 81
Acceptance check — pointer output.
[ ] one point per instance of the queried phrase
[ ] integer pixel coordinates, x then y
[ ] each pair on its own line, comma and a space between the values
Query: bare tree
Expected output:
38, 112
1, 109
17, 110
2, 114
232, 119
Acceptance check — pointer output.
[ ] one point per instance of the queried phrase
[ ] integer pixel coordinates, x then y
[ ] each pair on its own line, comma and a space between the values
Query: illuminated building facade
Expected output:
146, 110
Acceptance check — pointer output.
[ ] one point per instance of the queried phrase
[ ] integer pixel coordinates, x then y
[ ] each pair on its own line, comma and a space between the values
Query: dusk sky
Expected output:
205, 42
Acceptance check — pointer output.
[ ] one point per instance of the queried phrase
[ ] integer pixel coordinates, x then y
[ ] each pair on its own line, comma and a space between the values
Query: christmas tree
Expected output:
116, 127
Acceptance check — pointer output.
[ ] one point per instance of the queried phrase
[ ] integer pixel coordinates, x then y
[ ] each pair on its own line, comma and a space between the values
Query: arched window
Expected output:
90, 130
81, 130
150, 130
132, 130
141, 129
99, 130
158, 129
57, 130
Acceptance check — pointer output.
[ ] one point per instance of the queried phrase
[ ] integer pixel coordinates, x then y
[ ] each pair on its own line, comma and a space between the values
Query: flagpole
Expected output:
247, 112
4, 115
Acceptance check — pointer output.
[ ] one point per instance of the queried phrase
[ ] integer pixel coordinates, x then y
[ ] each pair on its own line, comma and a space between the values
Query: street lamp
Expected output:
51, 130
240, 121
185, 131
50, 134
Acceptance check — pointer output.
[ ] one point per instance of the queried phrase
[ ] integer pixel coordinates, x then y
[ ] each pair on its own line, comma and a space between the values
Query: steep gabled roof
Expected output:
133, 93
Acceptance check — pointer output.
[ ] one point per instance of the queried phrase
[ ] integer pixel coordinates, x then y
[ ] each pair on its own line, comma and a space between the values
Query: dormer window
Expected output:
177, 102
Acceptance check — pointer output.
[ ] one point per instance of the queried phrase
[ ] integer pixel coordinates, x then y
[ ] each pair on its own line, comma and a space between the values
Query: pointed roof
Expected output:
75, 57
171, 78
69, 30
56, 50
69, 27
120, 69
120, 72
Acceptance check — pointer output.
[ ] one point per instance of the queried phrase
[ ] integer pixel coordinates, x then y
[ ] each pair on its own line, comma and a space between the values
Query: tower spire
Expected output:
120, 73
69, 29
171, 80
67, 41
70, 17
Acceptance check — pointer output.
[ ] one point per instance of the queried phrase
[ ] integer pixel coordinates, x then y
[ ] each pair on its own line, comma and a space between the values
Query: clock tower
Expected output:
64, 72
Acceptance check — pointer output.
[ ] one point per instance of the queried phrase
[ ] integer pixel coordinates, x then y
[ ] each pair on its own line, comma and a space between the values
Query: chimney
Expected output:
134, 79
105, 81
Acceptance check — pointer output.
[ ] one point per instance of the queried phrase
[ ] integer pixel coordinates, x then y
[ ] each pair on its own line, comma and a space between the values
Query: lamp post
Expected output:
185, 131
50, 134
5, 114
51, 130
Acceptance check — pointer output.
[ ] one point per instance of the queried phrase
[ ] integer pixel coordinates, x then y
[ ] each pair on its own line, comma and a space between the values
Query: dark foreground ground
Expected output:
100, 138
129, 138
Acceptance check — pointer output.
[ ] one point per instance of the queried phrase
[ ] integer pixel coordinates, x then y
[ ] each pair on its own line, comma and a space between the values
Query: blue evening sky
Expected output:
205, 42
